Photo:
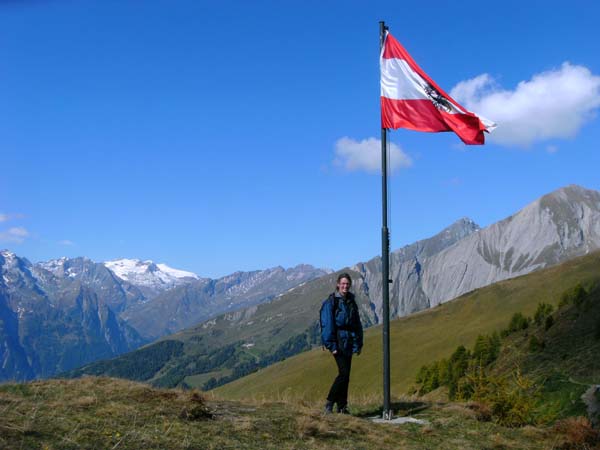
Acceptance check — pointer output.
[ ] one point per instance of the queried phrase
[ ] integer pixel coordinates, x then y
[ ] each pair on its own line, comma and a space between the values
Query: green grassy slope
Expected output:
417, 339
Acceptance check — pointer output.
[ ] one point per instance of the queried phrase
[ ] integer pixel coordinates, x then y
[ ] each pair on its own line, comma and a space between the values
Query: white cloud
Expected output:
553, 104
15, 235
552, 148
3, 217
365, 155
66, 242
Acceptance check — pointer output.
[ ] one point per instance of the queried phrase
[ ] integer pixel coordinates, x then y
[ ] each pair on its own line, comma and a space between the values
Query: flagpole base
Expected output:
388, 415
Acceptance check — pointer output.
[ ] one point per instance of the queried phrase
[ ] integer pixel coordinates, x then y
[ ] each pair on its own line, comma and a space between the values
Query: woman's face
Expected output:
344, 286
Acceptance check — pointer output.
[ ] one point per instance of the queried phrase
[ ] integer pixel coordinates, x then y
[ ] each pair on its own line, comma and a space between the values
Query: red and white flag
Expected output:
410, 99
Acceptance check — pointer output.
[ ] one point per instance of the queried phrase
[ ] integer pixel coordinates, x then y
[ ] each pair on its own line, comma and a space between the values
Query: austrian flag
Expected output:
410, 99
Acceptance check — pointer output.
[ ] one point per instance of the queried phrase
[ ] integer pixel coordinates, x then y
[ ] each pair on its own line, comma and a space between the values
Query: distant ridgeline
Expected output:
61, 314
535, 370
460, 259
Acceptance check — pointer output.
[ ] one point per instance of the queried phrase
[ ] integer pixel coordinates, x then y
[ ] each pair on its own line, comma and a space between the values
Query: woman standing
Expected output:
342, 335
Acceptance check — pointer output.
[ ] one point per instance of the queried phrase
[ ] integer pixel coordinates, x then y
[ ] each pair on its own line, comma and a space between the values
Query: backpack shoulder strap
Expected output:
333, 298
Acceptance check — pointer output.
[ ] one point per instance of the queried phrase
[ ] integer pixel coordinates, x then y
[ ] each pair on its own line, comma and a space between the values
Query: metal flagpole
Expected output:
385, 261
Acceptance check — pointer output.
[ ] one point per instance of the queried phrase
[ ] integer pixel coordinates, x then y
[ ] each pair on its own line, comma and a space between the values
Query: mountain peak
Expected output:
448, 236
7, 254
565, 204
464, 223
147, 274
572, 193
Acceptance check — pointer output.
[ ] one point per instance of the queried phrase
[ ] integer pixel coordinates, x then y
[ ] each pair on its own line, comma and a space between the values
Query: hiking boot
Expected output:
328, 408
343, 410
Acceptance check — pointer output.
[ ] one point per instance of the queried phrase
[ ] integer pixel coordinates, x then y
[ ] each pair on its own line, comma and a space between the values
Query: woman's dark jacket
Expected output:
341, 329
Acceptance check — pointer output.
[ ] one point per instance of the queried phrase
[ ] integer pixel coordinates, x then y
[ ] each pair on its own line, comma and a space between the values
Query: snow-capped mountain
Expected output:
117, 293
59, 315
149, 277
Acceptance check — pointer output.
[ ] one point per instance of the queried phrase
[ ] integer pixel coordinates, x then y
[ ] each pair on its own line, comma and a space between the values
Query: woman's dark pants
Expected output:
339, 389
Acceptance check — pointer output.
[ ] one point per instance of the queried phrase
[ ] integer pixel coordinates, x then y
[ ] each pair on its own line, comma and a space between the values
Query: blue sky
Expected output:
204, 134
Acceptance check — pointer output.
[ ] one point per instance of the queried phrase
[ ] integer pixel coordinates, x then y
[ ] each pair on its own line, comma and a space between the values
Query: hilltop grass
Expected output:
105, 413
418, 339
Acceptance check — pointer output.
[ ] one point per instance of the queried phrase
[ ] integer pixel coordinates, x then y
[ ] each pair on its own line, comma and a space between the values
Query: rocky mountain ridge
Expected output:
49, 324
63, 313
554, 228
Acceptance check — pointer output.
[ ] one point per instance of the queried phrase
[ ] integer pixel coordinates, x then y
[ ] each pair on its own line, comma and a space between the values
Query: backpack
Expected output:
335, 307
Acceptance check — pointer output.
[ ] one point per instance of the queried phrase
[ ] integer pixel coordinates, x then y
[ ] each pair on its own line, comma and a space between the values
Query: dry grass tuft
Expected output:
471, 410
84, 402
577, 434
243, 424
427, 429
460, 410
535, 432
314, 426
194, 406
483, 413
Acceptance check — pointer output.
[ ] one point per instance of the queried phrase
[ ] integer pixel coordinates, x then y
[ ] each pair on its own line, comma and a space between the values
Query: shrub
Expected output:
597, 331
433, 380
548, 323
443, 371
429, 377
481, 351
421, 374
511, 399
576, 296
543, 311
457, 366
517, 322
487, 349
535, 345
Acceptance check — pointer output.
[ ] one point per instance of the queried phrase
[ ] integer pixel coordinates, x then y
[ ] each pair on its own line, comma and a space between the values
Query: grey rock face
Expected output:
56, 274
12, 354
406, 269
557, 227
50, 323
